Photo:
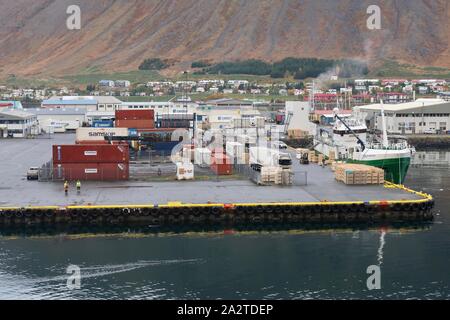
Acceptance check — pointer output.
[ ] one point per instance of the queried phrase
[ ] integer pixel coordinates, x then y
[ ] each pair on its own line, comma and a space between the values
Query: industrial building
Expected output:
89, 103
220, 117
444, 95
11, 105
297, 116
225, 102
418, 117
100, 119
160, 108
17, 124
59, 120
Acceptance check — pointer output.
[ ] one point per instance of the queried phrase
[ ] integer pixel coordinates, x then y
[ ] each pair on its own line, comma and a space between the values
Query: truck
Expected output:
262, 156
33, 173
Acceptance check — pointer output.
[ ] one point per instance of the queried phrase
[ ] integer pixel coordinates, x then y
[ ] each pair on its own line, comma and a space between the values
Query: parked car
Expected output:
33, 173
279, 145
430, 131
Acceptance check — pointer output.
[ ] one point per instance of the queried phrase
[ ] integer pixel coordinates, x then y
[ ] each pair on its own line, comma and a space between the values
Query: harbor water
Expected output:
295, 264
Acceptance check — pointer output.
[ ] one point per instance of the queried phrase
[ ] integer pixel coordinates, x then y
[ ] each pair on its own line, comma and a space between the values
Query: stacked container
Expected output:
221, 164
203, 157
136, 119
91, 162
97, 135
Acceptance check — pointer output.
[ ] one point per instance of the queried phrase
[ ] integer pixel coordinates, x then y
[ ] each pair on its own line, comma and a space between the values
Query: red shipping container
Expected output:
79, 153
92, 171
135, 115
90, 142
135, 124
150, 130
221, 164
218, 151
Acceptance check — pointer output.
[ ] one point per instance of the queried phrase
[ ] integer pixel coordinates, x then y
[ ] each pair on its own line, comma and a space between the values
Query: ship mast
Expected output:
383, 124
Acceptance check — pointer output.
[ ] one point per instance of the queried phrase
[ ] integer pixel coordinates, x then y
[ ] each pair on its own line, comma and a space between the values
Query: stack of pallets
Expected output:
271, 175
312, 157
276, 175
350, 173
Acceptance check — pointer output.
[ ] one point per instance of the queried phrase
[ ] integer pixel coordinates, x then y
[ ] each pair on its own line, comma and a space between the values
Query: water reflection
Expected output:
381, 247
440, 159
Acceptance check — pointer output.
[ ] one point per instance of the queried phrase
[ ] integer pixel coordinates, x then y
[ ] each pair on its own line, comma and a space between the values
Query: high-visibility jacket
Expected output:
78, 184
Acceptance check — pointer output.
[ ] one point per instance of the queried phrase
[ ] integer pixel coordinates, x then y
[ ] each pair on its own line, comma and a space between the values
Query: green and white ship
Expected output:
348, 140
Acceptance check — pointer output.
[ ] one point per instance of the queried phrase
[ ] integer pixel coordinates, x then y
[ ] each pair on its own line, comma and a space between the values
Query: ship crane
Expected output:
363, 145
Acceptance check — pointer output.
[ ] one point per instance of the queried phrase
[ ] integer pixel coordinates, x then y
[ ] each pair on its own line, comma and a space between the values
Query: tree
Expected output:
153, 64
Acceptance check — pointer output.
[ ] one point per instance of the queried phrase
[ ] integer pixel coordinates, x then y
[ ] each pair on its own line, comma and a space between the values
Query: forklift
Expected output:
303, 157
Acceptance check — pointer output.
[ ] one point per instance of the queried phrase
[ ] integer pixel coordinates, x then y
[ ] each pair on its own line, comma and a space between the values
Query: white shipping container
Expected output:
234, 150
264, 156
202, 157
185, 171
98, 134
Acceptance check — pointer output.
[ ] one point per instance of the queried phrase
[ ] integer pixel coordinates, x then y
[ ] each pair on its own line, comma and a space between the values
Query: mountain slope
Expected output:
117, 35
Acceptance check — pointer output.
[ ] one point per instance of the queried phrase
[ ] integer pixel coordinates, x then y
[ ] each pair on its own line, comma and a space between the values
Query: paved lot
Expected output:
16, 156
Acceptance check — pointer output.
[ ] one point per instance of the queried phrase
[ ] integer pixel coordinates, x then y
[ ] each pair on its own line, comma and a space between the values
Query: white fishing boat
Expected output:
348, 140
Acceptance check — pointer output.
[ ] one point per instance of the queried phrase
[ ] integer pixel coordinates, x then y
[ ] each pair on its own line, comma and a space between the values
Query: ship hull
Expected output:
395, 169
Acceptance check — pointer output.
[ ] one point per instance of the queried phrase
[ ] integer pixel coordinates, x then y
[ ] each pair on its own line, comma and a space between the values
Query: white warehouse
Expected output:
417, 117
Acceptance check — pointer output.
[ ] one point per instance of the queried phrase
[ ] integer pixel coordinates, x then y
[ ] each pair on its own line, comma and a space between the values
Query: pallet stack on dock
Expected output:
358, 174
271, 175
297, 134
312, 157
276, 175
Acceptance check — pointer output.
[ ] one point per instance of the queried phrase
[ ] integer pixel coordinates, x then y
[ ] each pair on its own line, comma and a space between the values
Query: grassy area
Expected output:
390, 68
141, 76
19, 82
226, 77
387, 68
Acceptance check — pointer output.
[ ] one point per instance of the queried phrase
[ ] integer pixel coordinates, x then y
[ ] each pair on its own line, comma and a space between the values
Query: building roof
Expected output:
58, 102
404, 107
228, 102
107, 99
331, 112
57, 111
99, 99
100, 113
11, 104
15, 114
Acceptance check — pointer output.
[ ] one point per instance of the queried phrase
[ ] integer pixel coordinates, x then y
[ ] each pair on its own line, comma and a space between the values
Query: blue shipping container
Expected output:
103, 124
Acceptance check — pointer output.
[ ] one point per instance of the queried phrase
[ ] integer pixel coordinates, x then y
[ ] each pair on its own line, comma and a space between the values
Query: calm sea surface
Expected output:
325, 264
